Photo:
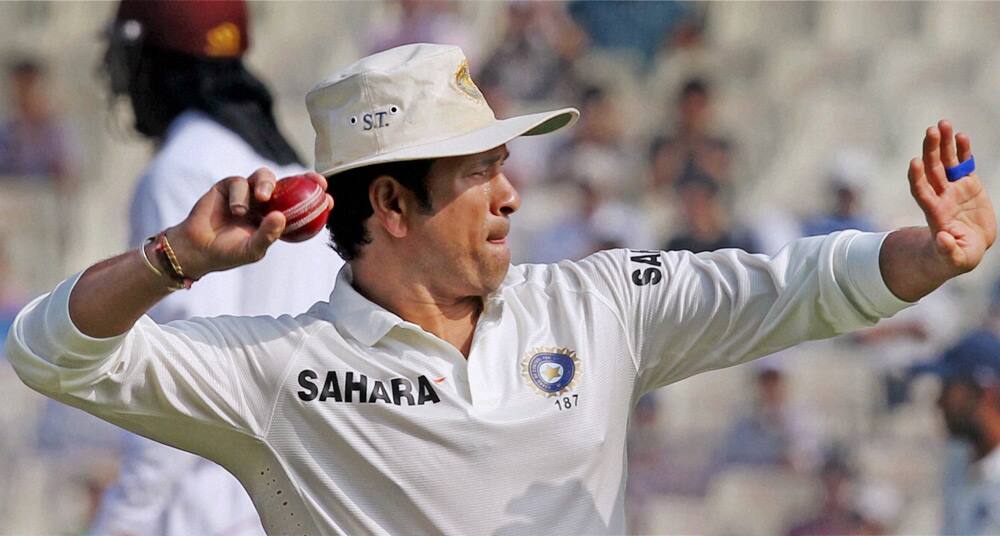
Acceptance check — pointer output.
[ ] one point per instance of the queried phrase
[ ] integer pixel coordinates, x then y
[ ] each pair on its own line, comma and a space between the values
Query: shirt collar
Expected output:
515, 276
368, 322
356, 315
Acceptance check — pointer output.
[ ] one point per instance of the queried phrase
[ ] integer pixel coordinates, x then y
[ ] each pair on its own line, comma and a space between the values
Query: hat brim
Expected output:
477, 141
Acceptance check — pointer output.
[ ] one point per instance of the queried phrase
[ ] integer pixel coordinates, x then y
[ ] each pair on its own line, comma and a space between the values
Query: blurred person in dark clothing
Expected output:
599, 223
657, 463
647, 455
34, 141
437, 21
850, 170
773, 433
534, 60
970, 406
13, 295
641, 27
595, 151
706, 226
691, 147
180, 66
837, 516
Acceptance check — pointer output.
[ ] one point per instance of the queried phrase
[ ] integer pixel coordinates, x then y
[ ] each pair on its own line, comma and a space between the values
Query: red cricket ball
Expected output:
303, 202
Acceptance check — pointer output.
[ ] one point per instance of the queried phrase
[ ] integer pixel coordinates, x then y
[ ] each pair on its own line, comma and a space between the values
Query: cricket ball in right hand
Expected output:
303, 202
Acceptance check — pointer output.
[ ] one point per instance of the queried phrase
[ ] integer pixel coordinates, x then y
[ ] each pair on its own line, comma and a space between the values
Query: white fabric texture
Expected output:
162, 490
310, 412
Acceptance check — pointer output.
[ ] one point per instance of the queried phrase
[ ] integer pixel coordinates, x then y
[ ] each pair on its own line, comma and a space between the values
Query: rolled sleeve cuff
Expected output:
48, 352
60, 327
865, 276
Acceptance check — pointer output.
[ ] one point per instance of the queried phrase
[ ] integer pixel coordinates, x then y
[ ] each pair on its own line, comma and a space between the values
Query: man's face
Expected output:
462, 241
958, 403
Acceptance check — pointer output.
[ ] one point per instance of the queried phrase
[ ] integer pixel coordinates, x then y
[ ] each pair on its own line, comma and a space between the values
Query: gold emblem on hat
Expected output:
223, 40
463, 81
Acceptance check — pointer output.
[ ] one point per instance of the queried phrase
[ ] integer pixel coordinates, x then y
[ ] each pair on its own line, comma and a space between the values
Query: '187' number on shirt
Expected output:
567, 402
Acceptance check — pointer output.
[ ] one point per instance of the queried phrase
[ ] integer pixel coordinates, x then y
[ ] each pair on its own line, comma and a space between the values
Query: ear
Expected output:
391, 204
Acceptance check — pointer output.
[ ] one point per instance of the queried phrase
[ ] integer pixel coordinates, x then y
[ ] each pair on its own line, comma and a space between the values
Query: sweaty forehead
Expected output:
446, 173
494, 155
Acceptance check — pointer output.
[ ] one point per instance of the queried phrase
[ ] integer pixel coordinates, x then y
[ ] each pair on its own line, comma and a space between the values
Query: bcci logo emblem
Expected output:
552, 371
464, 83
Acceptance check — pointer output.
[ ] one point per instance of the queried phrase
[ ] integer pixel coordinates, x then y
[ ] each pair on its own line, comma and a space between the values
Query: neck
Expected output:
398, 288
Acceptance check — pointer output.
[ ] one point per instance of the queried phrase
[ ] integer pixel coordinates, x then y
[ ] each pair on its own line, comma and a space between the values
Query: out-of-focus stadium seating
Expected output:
792, 83
758, 502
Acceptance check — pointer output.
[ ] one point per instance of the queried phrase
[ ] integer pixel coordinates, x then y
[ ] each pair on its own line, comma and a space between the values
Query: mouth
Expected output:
498, 236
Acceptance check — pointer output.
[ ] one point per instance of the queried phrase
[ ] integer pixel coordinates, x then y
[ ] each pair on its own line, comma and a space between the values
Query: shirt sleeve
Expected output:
687, 313
202, 385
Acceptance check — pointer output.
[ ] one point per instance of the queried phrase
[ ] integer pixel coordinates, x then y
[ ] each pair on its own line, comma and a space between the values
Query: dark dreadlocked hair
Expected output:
162, 85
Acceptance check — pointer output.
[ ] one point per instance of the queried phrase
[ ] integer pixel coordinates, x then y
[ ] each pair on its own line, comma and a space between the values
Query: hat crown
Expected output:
400, 98
387, 61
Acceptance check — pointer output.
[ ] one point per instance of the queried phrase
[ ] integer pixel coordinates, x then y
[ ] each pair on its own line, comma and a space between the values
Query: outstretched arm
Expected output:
217, 235
961, 224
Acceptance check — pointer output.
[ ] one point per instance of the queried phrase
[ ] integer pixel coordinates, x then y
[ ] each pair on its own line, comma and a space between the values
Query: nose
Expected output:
506, 199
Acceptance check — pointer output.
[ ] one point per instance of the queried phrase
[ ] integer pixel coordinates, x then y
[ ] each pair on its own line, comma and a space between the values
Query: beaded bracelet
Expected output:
166, 253
174, 285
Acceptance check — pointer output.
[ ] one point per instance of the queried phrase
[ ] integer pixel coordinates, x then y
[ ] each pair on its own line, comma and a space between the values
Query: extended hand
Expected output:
959, 214
220, 233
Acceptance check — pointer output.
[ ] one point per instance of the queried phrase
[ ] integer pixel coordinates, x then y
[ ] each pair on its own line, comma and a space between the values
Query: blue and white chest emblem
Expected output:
552, 371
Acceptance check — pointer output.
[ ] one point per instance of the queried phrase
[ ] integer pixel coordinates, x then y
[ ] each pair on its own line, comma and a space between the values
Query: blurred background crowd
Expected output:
703, 126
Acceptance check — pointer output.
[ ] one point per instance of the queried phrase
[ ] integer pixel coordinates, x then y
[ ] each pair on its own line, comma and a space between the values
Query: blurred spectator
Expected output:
647, 453
970, 405
595, 152
534, 60
599, 223
706, 226
915, 333
34, 141
850, 170
655, 465
13, 295
425, 21
837, 516
180, 64
691, 148
773, 432
877, 506
774, 227
642, 27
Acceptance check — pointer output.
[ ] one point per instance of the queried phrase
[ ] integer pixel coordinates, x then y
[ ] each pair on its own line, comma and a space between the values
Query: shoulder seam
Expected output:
604, 302
281, 381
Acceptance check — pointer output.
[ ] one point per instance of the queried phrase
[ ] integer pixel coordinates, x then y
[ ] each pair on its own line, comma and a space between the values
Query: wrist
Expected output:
157, 266
187, 262
911, 265
936, 264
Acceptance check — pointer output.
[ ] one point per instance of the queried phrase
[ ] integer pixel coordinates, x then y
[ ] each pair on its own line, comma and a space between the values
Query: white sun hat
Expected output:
410, 103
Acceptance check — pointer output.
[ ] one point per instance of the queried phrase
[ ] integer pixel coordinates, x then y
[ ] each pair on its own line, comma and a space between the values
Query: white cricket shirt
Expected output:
349, 420
161, 490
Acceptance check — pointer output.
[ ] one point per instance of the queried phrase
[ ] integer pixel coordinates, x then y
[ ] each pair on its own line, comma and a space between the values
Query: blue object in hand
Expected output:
957, 172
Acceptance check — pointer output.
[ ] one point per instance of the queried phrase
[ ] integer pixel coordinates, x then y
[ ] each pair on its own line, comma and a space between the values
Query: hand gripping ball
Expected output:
303, 202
